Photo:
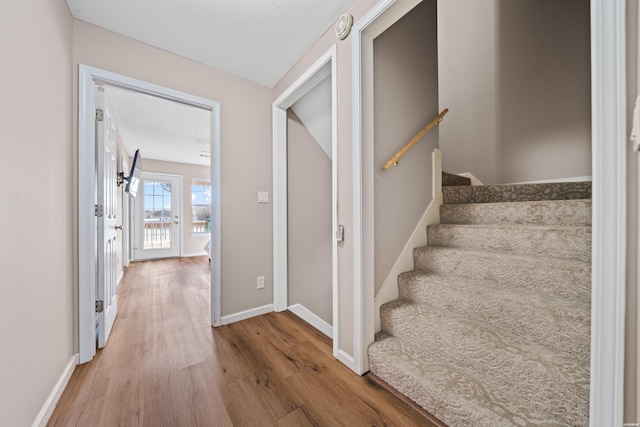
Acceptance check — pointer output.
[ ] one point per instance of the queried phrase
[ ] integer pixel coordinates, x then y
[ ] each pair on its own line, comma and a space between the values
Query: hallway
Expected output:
165, 366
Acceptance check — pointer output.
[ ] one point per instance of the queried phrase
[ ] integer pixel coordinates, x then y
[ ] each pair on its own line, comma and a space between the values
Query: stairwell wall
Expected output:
310, 279
516, 76
405, 69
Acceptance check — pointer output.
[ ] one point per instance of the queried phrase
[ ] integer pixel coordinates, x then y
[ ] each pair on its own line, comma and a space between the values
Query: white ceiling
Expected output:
259, 40
161, 129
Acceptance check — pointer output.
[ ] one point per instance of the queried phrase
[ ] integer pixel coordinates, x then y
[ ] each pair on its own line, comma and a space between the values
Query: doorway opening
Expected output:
320, 78
89, 79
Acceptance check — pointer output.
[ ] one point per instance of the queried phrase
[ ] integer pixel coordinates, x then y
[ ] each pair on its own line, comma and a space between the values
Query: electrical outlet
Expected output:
260, 282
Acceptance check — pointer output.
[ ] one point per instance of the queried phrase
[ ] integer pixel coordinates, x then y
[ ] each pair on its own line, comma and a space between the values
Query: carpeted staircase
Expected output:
492, 327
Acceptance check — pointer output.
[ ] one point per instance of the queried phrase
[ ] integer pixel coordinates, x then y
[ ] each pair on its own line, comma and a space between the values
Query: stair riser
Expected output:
559, 243
576, 213
571, 282
517, 193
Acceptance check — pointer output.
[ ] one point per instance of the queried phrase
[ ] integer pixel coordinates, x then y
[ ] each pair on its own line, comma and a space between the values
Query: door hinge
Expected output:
99, 211
99, 115
99, 306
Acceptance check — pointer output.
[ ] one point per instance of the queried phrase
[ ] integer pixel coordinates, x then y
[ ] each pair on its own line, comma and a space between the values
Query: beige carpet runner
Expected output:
492, 328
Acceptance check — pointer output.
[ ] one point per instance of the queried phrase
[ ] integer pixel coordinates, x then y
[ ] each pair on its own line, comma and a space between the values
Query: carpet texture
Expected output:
492, 328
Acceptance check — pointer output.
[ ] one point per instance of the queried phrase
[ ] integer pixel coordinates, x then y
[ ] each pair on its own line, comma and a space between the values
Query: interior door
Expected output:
106, 173
157, 220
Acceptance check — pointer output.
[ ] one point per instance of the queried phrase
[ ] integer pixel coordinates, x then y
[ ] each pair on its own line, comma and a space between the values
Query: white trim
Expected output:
345, 359
315, 74
608, 103
120, 277
194, 254
246, 314
52, 400
376, 21
87, 77
311, 318
569, 179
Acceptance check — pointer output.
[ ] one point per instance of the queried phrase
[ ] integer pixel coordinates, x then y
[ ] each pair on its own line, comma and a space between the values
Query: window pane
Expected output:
200, 205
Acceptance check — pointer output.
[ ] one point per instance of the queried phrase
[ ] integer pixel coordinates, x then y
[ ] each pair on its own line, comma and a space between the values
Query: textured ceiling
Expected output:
161, 129
259, 40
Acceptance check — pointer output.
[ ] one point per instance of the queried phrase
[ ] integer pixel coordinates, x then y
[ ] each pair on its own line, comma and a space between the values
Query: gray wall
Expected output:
309, 221
36, 213
544, 107
406, 99
467, 63
516, 76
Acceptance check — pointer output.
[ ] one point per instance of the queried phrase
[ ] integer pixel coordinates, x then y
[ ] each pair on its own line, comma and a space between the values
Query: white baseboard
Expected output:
51, 402
120, 277
347, 360
569, 179
246, 314
311, 318
474, 180
203, 253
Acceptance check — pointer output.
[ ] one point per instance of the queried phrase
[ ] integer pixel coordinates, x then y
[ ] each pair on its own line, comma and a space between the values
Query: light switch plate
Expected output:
263, 197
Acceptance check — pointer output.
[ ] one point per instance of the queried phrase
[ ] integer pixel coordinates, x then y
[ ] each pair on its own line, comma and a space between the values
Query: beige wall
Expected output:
191, 245
516, 77
36, 229
345, 158
631, 404
467, 62
309, 221
405, 69
245, 150
544, 87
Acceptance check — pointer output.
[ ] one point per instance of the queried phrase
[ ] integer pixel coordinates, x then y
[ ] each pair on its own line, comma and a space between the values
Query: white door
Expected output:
157, 220
106, 174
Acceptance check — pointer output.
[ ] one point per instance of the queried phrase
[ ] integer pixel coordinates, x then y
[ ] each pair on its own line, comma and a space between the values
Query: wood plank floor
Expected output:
164, 365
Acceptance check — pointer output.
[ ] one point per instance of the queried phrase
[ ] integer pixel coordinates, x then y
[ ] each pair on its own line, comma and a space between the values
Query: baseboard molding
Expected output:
51, 402
474, 180
569, 179
311, 318
194, 254
347, 360
246, 314
120, 277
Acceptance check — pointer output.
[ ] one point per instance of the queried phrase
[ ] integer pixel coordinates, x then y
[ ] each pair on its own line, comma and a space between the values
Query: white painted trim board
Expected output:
246, 314
311, 318
52, 400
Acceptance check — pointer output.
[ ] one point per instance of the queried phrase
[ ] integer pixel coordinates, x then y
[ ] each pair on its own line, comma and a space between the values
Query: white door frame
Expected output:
314, 75
176, 199
87, 78
609, 139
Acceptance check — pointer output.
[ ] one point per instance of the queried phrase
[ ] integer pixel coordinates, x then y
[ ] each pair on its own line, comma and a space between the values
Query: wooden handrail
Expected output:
398, 156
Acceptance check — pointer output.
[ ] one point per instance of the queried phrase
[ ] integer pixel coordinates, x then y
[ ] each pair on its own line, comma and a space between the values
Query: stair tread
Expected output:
562, 213
567, 279
546, 333
565, 242
551, 262
510, 392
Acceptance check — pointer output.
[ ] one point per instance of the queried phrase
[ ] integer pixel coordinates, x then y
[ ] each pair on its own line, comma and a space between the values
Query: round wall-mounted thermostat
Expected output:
343, 25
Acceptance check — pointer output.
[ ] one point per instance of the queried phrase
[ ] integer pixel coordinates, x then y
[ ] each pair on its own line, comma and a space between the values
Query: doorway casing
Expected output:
87, 78
608, 100
307, 81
